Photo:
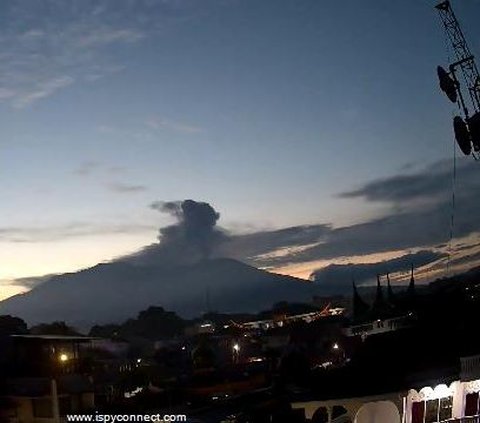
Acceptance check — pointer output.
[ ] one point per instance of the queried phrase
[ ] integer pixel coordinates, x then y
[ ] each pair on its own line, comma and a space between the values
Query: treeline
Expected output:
154, 323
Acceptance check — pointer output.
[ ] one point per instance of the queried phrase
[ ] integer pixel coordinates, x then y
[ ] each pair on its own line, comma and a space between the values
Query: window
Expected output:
338, 411
472, 404
445, 408
432, 411
320, 416
418, 412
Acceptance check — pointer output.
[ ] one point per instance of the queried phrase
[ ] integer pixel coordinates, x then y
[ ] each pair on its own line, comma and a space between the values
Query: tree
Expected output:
154, 324
55, 328
10, 325
105, 331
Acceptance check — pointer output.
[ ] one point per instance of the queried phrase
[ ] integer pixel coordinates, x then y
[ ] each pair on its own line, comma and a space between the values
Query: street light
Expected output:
63, 357
235, 352
338, 353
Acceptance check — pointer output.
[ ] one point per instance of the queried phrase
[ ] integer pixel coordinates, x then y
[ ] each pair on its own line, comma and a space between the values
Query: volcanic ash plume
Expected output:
192, 238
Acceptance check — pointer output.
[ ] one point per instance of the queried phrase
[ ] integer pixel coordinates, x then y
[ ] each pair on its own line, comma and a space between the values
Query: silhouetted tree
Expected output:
10, 325
203, 356
154, 323
105, 331
55, 328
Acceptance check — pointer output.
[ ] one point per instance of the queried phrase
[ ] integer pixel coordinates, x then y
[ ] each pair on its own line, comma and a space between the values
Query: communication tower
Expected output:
461, 83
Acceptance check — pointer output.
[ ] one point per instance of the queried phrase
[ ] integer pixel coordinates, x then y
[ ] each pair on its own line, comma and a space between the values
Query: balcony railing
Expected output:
473, 419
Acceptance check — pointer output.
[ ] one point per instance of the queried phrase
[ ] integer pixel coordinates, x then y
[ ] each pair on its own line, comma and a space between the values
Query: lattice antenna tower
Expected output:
461, 83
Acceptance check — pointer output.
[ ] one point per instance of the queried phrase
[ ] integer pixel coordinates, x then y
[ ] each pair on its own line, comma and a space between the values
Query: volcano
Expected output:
113, 292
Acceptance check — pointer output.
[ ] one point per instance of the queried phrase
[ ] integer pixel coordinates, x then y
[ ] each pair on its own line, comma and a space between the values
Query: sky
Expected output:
315, 129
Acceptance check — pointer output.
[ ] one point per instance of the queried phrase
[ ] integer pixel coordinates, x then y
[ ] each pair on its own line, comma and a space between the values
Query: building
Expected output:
46, 378
455, 401
385, 314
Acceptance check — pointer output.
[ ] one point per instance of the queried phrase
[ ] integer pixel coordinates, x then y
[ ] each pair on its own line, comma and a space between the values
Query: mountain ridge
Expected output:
111, 292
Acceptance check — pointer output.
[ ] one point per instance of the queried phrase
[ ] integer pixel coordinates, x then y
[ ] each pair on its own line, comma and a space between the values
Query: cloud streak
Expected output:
123, 188
92, 168
41, 88
158, 124
433, 184
49, 45
409, 233
339, 276
409, 225
415, 234
35, 234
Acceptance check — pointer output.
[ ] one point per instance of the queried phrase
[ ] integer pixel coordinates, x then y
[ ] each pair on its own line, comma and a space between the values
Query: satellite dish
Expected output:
447, 84
474, 128
462, 135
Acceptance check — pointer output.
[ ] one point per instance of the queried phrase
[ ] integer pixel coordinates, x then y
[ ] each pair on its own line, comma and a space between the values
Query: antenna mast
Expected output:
467, 127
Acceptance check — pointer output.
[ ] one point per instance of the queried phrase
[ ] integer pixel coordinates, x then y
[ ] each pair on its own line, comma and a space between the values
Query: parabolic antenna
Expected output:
462, 135
447, 84
474, 129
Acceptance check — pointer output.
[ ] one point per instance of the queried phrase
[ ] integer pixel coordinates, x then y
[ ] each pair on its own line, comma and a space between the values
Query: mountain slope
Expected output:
115, 291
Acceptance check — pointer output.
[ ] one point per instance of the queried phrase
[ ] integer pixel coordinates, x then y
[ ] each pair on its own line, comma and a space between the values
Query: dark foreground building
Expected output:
44, 378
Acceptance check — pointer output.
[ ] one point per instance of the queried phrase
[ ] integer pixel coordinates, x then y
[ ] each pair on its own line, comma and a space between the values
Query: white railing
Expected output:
473, 419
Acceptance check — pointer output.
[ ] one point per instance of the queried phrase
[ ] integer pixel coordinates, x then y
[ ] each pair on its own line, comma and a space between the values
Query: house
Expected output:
45, 378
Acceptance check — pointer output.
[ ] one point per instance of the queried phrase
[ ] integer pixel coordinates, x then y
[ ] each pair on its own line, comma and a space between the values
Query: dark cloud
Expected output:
412, 227
400, 188
195, 235
339, 276
466, 259
192, 238
465, 247
421, 221
32, 282
395, 232
251, 247
435, 182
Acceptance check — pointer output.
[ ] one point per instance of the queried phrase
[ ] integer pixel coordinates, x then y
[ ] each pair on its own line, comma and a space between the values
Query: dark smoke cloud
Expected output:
419, 219
433, 183
408, 225
192, 238
251, 247
195, 228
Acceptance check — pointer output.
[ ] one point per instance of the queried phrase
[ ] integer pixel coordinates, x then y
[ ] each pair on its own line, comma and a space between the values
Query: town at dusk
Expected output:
242, 211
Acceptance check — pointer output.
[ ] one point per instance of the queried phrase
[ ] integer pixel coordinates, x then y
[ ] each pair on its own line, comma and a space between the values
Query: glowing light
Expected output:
236, 348
336, 346
63, 358
131, 394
